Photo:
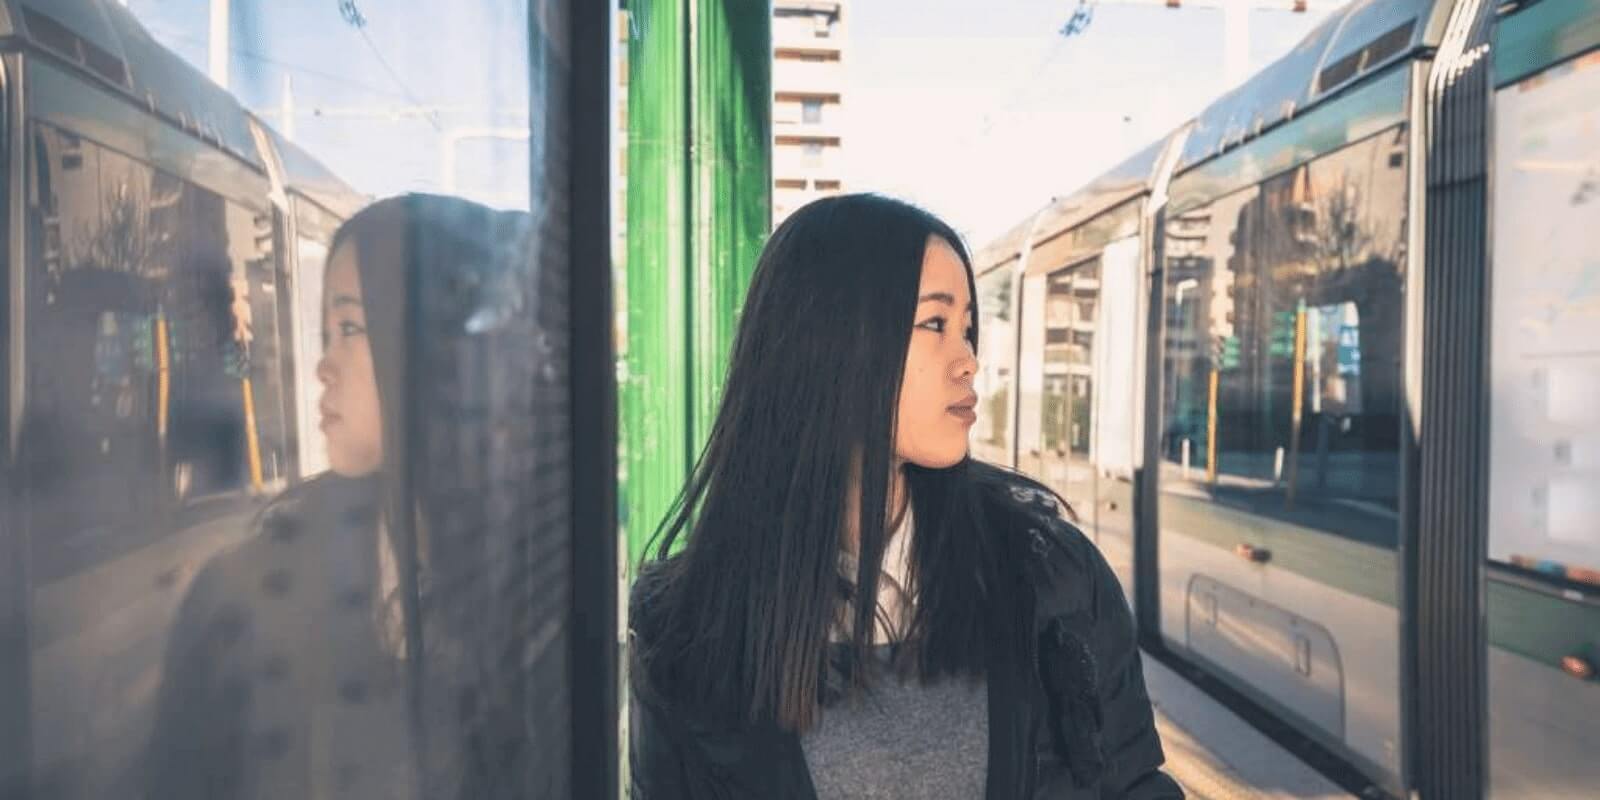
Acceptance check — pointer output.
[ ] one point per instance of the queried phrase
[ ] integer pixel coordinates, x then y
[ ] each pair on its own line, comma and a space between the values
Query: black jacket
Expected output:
1074, 723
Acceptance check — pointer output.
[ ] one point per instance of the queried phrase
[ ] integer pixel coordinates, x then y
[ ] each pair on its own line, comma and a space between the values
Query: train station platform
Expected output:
1218, 756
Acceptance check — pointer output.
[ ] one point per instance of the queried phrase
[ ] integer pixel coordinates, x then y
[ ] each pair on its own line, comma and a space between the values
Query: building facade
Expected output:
808, 122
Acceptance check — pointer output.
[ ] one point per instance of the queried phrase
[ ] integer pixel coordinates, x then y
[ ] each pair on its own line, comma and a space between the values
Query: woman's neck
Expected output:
893, 513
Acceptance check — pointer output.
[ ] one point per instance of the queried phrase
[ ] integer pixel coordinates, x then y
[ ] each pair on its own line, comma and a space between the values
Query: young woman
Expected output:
345, 649
858, 608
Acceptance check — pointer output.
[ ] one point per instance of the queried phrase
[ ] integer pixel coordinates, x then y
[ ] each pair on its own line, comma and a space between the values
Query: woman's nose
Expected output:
966, 367
325, 370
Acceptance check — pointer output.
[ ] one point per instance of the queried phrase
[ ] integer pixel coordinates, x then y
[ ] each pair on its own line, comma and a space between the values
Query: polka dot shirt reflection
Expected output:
285, 672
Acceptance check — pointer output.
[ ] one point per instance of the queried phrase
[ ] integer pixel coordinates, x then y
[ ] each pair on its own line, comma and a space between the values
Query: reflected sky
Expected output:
380, 105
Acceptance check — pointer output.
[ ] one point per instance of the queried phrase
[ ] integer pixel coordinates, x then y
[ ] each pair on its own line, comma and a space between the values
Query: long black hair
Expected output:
808, 415
445, 290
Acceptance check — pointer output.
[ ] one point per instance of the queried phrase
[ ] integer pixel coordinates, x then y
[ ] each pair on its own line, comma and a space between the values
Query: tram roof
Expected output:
1126, 180
307, 176
1359, 39
104, 39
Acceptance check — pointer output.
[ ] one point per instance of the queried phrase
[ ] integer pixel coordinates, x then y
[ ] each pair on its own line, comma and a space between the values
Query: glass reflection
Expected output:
996, 386
1280, 442
1281, 352
289, 668
1071, 305
202, 592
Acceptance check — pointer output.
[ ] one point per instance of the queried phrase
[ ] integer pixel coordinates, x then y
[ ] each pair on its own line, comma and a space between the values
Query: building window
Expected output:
813, 153
811, 111
791, 183
825, 185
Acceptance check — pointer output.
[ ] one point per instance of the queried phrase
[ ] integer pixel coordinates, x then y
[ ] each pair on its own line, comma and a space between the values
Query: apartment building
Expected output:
807, 88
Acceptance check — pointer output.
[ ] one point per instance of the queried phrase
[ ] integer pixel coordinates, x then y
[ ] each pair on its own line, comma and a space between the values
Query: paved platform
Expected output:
1218, 756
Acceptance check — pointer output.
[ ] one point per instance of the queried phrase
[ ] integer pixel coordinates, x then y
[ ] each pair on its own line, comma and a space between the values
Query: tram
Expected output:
1317, 371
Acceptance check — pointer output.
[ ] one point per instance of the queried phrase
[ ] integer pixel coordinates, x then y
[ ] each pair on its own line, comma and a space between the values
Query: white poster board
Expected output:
310, 264
1116, 408
1545, 330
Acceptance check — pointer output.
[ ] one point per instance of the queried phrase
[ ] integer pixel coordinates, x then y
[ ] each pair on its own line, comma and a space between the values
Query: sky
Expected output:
976, 109
981, 111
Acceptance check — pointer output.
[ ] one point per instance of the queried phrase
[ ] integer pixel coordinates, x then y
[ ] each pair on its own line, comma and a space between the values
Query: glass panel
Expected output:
1071, 304
1544, 436
154, 415
1031, 404
1080, 365
292, 520
1282, 353
1280, 464
996, 383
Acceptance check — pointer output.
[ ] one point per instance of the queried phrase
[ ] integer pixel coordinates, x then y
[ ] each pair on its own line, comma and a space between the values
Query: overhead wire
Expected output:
355, 19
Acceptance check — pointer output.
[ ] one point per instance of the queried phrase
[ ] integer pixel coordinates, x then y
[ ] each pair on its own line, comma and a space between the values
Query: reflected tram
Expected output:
162, 324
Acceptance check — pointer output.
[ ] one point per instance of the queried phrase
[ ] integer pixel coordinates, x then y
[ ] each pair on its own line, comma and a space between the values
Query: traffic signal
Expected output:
1281, 345
1228, 355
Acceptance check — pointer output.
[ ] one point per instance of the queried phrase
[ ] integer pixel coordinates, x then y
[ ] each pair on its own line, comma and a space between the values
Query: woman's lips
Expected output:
966, 410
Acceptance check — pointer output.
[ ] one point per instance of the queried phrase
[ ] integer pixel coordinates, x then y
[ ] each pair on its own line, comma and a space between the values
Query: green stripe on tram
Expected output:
1539, 625
1544, 34
1534, 624
1345, 564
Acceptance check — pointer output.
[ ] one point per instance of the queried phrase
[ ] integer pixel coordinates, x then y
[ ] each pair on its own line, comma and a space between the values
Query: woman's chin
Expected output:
942, 460
352, 467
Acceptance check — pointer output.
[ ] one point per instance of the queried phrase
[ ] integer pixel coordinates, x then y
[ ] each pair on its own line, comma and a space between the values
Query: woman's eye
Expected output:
936, 325
350, 329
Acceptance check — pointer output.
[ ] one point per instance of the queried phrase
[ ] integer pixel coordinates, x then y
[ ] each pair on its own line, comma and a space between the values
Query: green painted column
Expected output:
698, 205
733, 185
654, 424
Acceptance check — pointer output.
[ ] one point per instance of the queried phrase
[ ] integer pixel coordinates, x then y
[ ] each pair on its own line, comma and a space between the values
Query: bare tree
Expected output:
122, 240
1342, 241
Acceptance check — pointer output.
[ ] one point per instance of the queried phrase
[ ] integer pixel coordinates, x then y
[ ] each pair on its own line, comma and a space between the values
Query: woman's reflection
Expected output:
349, 406
294, 668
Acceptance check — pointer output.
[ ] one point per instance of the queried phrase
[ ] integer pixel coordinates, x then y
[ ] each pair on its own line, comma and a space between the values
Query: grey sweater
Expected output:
902, 740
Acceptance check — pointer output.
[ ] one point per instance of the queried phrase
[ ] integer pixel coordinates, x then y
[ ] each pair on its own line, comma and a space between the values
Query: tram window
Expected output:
193, 266
1544, 450
1281, 358
1072, 302
91, 393
153, 413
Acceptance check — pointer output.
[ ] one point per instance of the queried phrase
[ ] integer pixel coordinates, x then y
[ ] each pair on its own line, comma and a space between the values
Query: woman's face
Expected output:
350, 413
937, 404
